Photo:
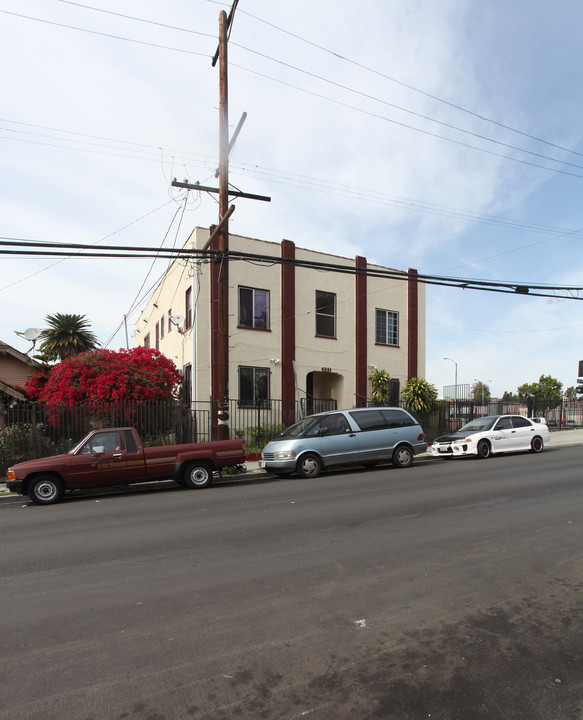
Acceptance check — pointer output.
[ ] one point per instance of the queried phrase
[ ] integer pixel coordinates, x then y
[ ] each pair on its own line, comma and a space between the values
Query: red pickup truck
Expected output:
115, 456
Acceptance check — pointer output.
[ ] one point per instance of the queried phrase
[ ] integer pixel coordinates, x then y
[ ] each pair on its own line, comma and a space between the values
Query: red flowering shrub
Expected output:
101, 377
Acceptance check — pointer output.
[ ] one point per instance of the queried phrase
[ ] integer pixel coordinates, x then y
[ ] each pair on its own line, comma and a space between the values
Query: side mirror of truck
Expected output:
98, 450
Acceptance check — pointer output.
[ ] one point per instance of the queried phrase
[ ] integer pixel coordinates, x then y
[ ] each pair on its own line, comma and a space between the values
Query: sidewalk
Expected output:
559, 438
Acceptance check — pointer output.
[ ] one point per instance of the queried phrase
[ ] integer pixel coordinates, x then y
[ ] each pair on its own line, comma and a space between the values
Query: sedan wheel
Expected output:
484, 449
537, 444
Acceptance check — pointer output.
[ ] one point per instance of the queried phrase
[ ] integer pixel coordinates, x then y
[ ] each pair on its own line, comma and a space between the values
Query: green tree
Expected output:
571, 394
481, 392
419, 395
546, 393
380, 386
509, 396
67, 335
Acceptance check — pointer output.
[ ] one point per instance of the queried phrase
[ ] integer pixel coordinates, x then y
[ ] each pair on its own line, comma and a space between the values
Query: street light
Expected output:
455, 386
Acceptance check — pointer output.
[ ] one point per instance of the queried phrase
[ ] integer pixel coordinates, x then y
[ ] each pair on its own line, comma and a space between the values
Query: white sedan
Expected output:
494, 434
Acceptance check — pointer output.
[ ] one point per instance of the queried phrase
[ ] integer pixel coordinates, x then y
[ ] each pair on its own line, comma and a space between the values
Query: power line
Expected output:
347, 105
405, 110
104, 34
523, 288
438, 99
291, 179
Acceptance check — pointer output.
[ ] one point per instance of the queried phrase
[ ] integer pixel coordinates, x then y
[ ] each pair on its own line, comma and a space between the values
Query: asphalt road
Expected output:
449, 590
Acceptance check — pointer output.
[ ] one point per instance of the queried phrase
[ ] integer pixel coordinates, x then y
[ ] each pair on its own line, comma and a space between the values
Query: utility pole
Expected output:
219, 240
220, 369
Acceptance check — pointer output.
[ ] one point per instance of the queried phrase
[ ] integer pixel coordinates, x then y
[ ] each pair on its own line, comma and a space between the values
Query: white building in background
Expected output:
294, 331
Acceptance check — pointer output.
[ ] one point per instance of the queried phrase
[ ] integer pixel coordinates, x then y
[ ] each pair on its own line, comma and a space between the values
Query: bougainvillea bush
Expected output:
102, 377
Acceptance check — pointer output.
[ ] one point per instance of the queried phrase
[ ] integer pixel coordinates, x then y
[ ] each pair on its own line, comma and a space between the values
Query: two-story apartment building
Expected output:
296, 331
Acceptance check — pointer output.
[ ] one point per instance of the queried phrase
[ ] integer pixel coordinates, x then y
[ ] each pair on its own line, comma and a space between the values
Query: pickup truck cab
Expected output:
115, 456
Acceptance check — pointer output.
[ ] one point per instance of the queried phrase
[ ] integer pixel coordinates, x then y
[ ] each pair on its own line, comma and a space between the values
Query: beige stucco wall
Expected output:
332, 361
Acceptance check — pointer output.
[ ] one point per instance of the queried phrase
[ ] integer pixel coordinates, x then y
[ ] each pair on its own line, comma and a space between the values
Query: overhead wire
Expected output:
523, 288
456, 106
333, 100
291, 179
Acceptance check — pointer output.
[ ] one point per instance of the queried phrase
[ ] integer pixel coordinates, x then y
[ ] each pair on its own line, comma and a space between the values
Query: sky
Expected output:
446, 137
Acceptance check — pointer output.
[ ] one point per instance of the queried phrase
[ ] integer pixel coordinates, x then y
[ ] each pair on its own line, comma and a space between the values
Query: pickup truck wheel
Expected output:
198, 475
45, 490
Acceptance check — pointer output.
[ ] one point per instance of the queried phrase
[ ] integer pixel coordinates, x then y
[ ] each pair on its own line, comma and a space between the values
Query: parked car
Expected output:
345, 437
115, 456
494, 434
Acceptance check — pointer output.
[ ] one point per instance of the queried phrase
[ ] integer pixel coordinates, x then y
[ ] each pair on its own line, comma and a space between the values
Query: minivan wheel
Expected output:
403, 457
309, 466
45, 490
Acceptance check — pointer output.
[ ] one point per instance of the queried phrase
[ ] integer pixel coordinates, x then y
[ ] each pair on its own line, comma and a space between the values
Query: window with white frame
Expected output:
253, 308
188, 307
325, 314
386, 327
253, 386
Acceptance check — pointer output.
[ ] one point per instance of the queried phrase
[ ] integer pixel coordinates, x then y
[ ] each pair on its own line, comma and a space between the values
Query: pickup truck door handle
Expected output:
117, 454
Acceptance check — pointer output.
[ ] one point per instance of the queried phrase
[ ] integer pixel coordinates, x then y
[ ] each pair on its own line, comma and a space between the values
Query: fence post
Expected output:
34, 441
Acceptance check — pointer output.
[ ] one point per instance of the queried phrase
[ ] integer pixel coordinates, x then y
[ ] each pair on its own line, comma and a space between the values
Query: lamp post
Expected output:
455, 387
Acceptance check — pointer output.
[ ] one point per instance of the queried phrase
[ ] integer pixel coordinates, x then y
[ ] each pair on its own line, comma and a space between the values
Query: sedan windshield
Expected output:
479, 425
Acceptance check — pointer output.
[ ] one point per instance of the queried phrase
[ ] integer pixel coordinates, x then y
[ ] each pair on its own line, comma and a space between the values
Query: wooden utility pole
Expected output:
219, 240
221, 366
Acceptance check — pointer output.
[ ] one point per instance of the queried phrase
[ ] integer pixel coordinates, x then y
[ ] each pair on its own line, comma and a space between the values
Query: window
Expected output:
147, 341
170, 320
325, 314
157, 336
387, 327
369, 419
253, 386
162, 327
253, 308
397, 418
518, 421
188, 308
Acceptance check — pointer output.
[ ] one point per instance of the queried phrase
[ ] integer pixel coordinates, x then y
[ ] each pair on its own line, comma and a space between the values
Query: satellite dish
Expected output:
176, 319
32, 334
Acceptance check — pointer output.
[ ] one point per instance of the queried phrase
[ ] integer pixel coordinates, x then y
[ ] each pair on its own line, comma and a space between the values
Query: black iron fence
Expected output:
30, 430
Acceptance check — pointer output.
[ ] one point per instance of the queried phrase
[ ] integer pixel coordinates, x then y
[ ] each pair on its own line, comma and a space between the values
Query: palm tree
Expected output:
67, 335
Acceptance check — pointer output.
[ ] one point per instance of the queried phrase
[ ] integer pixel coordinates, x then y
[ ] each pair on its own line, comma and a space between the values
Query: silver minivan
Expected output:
345, 437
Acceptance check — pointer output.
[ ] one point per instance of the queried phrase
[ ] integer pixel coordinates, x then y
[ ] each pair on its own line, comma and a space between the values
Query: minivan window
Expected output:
397, 418
299, 428
335, 424
369, 419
